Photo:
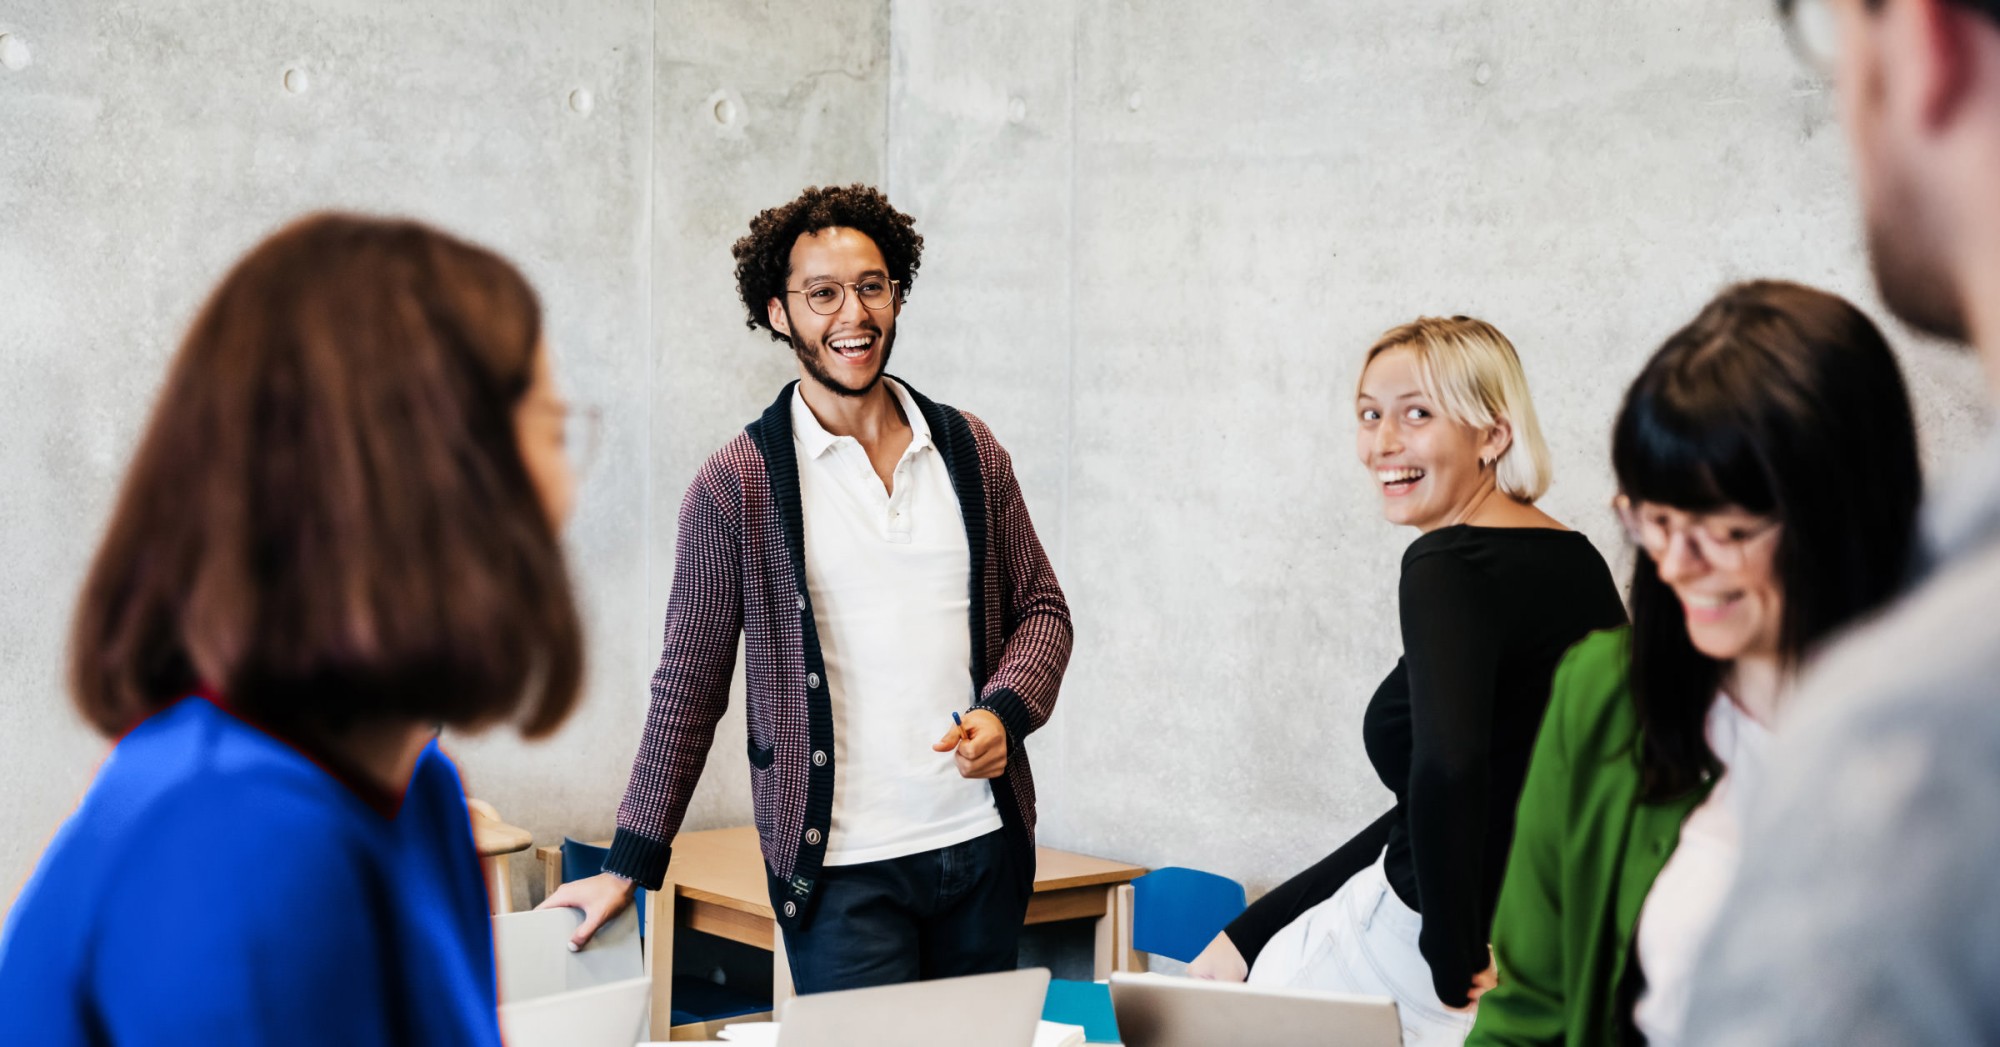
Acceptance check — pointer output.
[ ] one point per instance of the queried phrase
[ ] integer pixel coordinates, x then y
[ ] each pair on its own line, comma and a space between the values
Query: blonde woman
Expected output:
1493, 592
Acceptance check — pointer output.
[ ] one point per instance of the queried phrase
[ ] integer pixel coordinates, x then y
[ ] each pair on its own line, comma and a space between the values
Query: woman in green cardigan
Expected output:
1768, 465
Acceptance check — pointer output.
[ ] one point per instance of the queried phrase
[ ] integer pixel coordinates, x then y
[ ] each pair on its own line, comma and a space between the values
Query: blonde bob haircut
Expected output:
1471, 371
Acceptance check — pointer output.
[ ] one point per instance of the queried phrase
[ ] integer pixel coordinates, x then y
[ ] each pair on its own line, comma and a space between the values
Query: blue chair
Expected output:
1172, 912
695, 1000
1176, 912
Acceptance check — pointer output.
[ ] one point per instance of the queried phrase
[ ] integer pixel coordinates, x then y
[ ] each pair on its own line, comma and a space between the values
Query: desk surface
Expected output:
726, 867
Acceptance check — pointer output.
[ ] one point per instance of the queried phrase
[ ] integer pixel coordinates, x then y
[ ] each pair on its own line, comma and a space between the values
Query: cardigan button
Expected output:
812, 679
812, 837
791, 909
819, 758
802, 602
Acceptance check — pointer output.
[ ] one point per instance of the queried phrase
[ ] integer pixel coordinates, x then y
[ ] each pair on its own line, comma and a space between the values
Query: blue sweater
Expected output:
218, 887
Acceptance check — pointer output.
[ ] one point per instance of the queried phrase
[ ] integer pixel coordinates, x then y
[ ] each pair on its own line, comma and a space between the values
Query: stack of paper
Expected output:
1055, 1034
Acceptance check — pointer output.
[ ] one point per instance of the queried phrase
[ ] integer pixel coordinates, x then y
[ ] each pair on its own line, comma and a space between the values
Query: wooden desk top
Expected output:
726, 867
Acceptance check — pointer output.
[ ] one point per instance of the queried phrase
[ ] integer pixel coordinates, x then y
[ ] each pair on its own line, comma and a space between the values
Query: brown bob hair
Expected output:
328, 519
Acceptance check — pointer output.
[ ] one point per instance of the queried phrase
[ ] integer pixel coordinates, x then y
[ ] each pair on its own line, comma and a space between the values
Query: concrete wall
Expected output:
1155, 273
145, 146
1158, 235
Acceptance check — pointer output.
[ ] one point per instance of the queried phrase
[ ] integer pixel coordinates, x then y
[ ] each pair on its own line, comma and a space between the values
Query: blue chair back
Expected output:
1176, 911
580, 859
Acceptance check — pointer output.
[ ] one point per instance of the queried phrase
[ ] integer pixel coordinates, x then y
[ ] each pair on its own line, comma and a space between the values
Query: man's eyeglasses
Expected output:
826, 298
1813, 31
1722, 542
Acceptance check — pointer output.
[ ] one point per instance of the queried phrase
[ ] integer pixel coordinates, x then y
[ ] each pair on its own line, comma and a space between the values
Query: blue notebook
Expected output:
1083, 1003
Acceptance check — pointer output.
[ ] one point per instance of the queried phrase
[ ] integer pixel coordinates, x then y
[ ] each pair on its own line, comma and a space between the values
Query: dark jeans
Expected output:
942, 913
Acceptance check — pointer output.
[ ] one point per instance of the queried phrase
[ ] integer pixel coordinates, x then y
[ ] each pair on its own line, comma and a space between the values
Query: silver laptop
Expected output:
612, 1015
1156, 1011
984, 1010
551, 997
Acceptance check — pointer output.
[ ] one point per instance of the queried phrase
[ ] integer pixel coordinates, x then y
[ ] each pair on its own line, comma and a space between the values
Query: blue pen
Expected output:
960, 723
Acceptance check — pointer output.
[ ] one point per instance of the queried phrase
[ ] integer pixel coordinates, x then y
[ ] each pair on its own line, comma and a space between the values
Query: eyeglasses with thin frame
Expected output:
583, 436
582, 432
1813, 32
1722, 543
826, 298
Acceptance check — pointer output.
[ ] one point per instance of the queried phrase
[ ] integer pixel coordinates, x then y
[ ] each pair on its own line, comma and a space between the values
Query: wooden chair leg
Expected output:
1126, 958
499, 884
1105, 951
660, 958
551, 869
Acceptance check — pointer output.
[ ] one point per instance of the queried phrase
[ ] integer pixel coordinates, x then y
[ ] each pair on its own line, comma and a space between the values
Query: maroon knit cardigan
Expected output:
739, 567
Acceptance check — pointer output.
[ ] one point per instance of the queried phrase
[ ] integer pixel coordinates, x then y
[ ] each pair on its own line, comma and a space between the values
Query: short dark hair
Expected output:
764, 255
328, 518
1786, 401
1989, 8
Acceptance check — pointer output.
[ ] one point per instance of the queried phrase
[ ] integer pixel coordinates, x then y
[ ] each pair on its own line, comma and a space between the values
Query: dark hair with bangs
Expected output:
1784, 401
328, 518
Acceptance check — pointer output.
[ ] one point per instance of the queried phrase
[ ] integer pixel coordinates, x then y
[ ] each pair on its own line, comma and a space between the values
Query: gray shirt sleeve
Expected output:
1867, 907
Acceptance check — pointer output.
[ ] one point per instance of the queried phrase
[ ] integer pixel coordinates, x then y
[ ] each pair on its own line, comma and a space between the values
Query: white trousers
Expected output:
1363, 940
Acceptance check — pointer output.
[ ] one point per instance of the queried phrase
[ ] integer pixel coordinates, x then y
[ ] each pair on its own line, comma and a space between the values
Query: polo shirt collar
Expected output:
817, 441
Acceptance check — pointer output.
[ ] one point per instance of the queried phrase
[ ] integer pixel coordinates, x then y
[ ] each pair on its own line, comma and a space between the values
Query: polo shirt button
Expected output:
812, 679
791, 909
819, 758
812, 836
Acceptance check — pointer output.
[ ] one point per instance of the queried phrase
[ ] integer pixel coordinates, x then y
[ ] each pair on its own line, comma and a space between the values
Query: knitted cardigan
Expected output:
739, 568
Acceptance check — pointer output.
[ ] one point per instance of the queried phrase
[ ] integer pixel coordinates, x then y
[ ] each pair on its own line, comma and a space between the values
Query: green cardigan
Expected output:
1585, 853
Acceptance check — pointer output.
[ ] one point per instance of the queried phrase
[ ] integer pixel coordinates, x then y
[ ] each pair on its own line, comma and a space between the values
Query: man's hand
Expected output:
1220, 961
981, 744
600, 897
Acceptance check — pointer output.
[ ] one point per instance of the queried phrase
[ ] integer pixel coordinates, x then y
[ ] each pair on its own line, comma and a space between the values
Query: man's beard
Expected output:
1916, 292
809, 359
1908, 263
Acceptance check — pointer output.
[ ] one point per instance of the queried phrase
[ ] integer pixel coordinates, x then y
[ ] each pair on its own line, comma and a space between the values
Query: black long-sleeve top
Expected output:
1487, 613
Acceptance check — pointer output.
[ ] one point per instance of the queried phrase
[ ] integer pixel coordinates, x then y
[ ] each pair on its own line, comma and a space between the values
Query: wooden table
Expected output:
718, 886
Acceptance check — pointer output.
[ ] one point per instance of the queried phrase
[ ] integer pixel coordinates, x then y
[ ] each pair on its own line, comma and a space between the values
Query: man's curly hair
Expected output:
764, 257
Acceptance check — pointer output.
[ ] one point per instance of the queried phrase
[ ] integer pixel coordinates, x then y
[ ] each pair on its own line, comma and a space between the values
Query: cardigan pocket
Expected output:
761, 755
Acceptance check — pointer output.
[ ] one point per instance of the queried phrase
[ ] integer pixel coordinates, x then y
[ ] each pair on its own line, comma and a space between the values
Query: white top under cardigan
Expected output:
890, 580
1681, 907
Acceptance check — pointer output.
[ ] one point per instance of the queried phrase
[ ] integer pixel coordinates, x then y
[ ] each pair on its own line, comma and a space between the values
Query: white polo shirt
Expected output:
889, 576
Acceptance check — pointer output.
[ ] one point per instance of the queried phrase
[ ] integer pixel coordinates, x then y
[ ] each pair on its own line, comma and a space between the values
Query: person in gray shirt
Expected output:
1866, 909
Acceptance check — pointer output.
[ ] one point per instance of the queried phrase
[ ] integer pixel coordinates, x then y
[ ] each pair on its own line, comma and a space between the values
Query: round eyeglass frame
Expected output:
1812, 33
841, 299
1720, 553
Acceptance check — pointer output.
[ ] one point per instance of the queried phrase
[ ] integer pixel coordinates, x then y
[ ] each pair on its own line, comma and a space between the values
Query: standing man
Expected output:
1864, 911
872, 548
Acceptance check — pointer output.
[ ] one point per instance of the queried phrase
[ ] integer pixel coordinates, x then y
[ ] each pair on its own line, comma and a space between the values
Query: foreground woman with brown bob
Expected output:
338, 532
